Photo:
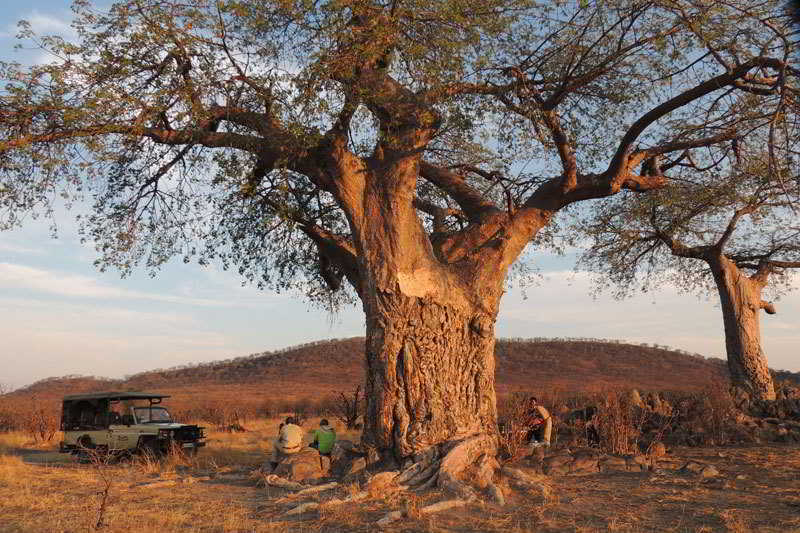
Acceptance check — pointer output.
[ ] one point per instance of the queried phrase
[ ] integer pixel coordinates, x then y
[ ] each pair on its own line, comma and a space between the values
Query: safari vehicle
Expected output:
124, 422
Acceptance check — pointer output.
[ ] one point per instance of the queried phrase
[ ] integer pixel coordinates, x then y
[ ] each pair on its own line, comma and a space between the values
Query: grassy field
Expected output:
42, 490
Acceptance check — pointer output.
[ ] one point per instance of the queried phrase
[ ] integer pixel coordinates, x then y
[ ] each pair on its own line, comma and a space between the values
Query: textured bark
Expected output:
430, 375
740, 298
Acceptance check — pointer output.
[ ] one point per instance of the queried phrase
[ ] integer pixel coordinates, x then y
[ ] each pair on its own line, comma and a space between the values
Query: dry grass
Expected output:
43, 491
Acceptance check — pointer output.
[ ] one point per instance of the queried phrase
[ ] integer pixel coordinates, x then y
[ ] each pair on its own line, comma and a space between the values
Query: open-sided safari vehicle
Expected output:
124, 422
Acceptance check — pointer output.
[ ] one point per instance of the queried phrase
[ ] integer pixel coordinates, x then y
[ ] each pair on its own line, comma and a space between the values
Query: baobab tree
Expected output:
413, 149
732, 228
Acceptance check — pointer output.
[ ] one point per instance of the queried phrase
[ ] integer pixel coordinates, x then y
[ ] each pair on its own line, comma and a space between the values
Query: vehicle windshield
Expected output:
145, 415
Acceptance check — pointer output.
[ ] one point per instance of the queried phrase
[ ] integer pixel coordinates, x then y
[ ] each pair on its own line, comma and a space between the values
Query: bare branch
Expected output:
473, 204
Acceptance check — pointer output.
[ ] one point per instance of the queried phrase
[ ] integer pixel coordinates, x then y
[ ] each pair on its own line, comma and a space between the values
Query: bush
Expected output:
348, 408
513, 428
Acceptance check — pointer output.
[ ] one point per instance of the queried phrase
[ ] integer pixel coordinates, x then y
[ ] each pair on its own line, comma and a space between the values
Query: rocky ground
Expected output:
754, 487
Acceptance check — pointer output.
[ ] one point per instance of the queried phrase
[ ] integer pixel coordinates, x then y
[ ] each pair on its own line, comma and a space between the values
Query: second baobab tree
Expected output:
403, 153
733, 228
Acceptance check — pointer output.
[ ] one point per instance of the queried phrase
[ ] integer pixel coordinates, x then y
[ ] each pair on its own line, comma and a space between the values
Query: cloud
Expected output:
42, 24
19, 249
15, 276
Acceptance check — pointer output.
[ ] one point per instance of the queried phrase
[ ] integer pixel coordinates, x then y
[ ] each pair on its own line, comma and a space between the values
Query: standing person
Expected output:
539, 422
289, 441
324, 437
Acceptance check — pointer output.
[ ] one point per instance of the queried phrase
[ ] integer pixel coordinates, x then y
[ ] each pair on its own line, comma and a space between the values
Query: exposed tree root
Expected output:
306, 492
429, 509
310, 506
444, 467
276, 481
461, 457
526, 482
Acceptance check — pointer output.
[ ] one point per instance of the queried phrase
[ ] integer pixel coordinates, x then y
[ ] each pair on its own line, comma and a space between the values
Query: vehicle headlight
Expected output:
163, 433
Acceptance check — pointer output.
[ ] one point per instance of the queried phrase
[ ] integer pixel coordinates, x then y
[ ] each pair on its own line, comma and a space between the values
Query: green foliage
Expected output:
203, 129
631, 237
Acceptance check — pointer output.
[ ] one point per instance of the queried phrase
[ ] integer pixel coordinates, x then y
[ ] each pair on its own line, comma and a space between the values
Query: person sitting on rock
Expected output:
324, 437
539, 424
289, 441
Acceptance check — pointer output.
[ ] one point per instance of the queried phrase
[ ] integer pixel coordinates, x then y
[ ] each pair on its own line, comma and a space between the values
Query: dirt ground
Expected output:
42, 490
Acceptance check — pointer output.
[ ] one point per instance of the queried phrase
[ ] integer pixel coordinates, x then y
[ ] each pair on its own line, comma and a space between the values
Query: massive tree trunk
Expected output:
430, 327
430, 374
740, 298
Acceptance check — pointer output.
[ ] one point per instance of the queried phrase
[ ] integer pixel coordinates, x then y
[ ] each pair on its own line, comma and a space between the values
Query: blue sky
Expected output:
59, 315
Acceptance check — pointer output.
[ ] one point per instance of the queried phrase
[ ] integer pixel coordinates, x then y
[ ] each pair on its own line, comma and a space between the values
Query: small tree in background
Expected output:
733, 228
349, 408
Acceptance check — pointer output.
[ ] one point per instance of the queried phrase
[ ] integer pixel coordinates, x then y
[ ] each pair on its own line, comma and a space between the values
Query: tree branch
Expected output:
621, 161
337, 249
472, 203
438, 213
731, 227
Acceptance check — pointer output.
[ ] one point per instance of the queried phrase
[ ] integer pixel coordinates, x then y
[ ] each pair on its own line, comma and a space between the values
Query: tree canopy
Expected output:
742, 210
219, 129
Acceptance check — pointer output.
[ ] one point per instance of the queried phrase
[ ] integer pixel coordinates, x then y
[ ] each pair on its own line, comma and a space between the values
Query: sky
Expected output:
60, 316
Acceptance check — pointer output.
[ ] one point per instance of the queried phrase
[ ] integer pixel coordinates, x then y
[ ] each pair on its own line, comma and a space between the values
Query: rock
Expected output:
300, 466
345, 463
584, 465
381, 482
558, 470
343, 448
354, 466
538, 455
638, 462
497, 494
325, 464
692, 467
709, 472
613, 463
527, 482
556, 464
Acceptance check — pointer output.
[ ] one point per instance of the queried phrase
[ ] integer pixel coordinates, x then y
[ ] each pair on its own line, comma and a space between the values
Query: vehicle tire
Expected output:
85, 447
150, 449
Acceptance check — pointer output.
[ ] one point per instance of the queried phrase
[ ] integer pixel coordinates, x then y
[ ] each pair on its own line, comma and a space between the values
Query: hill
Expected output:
333, 365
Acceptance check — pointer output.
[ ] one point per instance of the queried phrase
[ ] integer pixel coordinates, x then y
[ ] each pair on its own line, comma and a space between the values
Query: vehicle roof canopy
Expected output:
126, 395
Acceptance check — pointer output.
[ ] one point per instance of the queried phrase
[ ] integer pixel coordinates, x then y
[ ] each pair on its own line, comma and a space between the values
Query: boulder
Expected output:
638, 462
692, 467
348, 467
556, 464
381, 482
301, 466
584, 464
346, 459
613, 463
341, 449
